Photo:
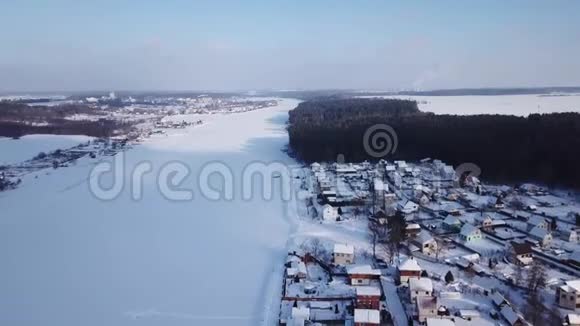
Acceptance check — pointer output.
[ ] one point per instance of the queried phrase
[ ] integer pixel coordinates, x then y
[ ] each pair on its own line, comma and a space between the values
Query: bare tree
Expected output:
536, 279
535, 310
441, 247
316, 247
518, 275
516, 204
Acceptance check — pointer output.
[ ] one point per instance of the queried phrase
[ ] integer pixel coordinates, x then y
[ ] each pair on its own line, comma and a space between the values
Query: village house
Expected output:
520, 253
368, 297
343, 254
367, 317
426, 308
420, 287
381, 217
535, 221
425, 243
568, 295
498, 299
512, 317
380, 188
408, 207
408, 269
296, 268
329, 213
470, 233
488, 223
451, 223
362, 274
570, 236
424, 200
439, 322
542, 235
299, 316
412, 229
572, 320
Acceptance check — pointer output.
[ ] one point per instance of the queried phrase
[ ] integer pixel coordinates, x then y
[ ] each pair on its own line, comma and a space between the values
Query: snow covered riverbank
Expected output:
14, 151
72, 259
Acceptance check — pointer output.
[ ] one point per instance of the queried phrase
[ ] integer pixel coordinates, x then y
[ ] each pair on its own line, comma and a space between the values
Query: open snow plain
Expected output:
69, 258
520, 105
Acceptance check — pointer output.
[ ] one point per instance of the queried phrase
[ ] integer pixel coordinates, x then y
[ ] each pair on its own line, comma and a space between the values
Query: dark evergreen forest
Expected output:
541, 147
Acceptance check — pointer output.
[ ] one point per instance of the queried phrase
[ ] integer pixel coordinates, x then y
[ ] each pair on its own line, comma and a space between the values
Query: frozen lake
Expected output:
69, 258
18, 150
520, 105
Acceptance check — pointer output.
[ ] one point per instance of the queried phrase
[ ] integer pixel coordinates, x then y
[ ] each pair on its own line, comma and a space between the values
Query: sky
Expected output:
77, 45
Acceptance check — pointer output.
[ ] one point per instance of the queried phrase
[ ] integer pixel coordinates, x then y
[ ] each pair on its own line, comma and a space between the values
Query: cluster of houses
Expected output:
445, 213
346, 294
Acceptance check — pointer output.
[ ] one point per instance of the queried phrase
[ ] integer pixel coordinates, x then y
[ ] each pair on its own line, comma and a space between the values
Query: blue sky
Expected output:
375, 44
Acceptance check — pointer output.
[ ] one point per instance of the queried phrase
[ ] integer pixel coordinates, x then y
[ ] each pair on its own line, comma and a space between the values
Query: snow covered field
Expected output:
520, 105
69, 258
18, 150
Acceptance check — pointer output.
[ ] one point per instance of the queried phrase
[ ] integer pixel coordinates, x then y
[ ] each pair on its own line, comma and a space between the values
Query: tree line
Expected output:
17, 119
541, 147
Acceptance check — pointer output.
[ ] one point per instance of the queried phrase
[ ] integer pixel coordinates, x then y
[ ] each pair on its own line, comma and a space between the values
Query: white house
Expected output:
408, 207
343, 254
425, 242
329, 213
470, 233
537, 221
367, 317
542, 235
420, 287
451, 223
570, 236
409, 269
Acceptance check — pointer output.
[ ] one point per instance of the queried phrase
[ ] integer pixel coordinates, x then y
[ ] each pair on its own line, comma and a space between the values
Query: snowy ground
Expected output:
18, 150
69, 258
520, 105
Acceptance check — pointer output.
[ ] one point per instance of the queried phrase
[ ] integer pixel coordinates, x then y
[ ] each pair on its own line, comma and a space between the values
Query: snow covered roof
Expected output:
328, 206
379, 184
468, 229
573, 319
421, 284
575, 284
410, 265
538, 232
413, 226
451, 220
439, 322
536, 220
424, 237
340, 248
367, 316
368, 291
510, 315
521, 248
363, 270
498, 298
469, 313
302, 312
